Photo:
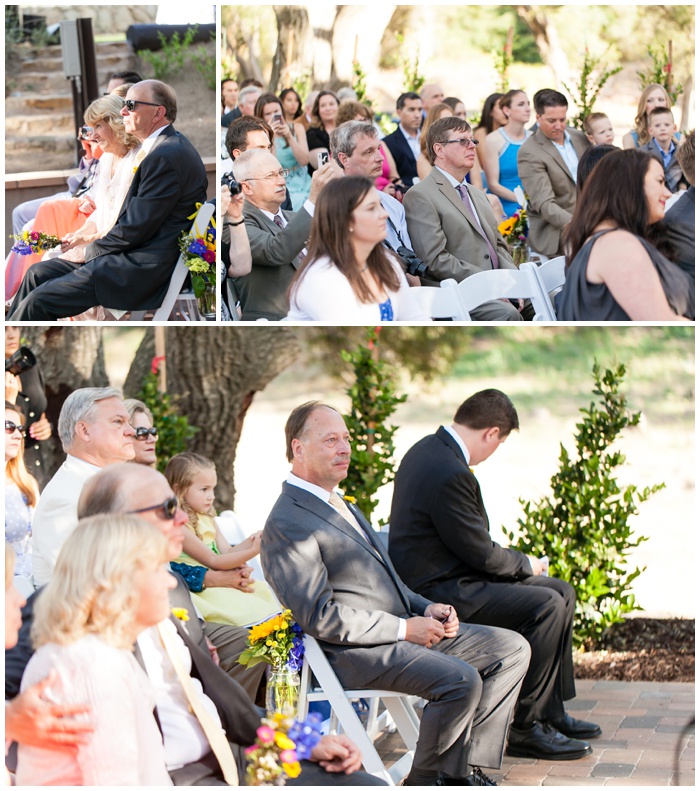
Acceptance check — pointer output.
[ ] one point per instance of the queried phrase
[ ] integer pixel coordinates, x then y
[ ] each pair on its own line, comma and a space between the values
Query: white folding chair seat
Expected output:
550, 277
501, 284
438, 303
174, 297
328, 687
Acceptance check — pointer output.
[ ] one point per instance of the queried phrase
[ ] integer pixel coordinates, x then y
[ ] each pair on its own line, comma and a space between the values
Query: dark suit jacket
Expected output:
403, 156
439, 539
275, 251
550, 188
679, 226
131, 266
342, 590
673, 174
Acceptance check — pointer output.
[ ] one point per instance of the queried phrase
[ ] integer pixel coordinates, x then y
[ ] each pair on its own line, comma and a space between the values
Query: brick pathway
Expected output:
644, 741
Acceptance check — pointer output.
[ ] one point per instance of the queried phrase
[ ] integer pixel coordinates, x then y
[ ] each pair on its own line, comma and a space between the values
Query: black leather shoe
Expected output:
541, 740
576, 729
476, 778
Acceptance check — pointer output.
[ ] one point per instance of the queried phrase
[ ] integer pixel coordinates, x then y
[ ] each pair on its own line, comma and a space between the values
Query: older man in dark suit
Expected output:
130, 267
547, 164
440, 544
189, 755
404, 141
277, 237
324, 562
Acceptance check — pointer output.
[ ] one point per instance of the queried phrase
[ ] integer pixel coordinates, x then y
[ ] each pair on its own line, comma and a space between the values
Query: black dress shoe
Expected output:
476, 778
576, 729
541, 740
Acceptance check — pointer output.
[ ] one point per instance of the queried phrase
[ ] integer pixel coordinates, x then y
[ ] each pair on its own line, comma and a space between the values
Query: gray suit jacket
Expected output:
445, 235
342, 590
550, 189
275, 252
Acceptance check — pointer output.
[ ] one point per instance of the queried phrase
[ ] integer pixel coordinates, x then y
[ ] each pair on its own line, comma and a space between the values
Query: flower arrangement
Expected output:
277, 641
199, 254
514, 230
29, 242
280, 744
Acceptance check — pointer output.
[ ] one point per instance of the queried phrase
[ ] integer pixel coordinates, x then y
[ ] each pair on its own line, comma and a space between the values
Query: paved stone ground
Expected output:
644, 741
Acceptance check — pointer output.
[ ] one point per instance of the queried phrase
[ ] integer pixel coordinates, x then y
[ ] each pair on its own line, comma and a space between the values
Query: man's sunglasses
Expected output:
166, 510
130, 104
143, 433
11, 427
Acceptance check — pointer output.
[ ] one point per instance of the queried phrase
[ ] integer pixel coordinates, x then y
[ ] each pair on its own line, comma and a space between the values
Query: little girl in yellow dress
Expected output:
193, 480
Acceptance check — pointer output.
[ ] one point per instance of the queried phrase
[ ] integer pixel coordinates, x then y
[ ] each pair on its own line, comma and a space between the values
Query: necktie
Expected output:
138, 159
215, 735
341, 507
278, 222
464, 195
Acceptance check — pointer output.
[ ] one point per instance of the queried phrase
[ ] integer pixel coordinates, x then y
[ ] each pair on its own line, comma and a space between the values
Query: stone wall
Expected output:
105, 18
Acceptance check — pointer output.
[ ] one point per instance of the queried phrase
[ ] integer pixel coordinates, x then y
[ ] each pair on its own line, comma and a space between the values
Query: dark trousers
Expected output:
54, 289
541, 609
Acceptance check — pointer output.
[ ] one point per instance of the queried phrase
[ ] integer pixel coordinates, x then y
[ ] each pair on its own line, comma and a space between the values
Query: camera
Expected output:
22, 360
322, 158
85, 133
414, 265
399, 186
229, 180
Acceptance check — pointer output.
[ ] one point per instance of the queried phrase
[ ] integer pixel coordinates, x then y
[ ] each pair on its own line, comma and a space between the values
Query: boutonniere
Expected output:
181, 613
350, 499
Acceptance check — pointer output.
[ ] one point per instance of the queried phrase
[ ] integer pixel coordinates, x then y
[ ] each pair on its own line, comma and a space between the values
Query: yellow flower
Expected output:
350, 499
283, 741
181, 613
506, 226
292, 770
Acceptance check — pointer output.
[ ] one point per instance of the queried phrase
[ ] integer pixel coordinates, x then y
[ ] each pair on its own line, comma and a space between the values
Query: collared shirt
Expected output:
667, 156
325, 495
308, 207
453, 181
455, 436
149, 142
397, 215
183, 737
413, 142
568, 154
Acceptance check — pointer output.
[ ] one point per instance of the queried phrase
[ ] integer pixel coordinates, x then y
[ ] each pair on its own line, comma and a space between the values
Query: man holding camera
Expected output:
356, 147
277, 237
452, 225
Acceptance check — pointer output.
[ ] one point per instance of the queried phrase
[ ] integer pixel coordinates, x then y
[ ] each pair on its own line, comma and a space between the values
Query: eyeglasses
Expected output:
281, 174
143, 433
11, 427
465, 142
130, 104
166, 510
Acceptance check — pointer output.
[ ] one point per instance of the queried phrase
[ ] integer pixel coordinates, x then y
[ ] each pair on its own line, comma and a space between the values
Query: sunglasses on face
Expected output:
11, 427
143, 433
165, 511
130, 104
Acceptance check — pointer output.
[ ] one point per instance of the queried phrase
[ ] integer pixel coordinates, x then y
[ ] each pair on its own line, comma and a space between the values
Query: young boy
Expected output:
599, 129
662, 129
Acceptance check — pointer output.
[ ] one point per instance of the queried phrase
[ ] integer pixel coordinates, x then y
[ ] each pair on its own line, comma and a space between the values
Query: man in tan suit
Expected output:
547, 164
451, 224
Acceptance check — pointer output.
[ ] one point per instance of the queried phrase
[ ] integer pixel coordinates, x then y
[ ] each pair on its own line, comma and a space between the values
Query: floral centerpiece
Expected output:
277, 641
514, 230
29, 242
199, 254
280, 744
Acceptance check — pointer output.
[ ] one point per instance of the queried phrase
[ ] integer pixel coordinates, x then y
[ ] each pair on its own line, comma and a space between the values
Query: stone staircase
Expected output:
39, 125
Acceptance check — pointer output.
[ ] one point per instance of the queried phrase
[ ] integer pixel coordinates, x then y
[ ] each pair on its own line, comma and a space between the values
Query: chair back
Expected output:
550, 277
501, 284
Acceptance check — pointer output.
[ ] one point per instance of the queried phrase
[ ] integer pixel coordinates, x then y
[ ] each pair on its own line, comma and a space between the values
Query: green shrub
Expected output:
583, 525
374, 400
171, 58
174, 429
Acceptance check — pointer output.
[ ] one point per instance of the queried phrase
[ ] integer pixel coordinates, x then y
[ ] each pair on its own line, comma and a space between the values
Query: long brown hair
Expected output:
316, 121
433, 115
16, 470
330, 237
641, 124
615, 192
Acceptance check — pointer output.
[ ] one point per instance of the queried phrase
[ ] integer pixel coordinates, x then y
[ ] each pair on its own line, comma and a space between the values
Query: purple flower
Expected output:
209, 256
34, 235
197, 247
306, 735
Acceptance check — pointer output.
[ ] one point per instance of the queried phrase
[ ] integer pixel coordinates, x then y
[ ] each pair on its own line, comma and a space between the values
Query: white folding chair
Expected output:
185, 300
319, 682
501, 284
550, 277
438, 303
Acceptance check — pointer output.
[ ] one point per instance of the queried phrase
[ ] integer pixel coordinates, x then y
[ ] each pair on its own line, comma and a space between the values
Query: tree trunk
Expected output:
358, 28
686, 96
321, 19
547, 40
215, 372
70, 358
294, 46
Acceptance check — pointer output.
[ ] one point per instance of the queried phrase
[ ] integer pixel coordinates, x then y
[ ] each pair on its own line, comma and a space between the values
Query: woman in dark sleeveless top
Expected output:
613, 270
